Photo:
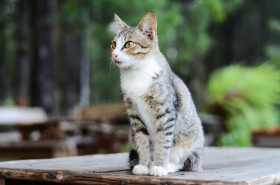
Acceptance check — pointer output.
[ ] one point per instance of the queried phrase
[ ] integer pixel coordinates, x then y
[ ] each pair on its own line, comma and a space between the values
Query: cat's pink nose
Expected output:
115, 55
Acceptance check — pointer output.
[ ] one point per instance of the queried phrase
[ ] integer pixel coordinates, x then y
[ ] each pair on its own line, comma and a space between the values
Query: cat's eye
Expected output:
113, 45
128, 44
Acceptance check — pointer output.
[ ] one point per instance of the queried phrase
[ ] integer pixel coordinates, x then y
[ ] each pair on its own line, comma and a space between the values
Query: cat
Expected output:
165, 131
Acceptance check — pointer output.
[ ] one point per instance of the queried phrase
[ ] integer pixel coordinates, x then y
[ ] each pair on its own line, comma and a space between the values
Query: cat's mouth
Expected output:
117, 62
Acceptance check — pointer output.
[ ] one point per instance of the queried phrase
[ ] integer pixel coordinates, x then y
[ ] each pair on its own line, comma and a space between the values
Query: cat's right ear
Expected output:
120, 24
148, 25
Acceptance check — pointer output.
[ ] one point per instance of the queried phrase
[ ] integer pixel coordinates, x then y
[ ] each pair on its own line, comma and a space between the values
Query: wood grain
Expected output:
2, 181
221, 166
38, 150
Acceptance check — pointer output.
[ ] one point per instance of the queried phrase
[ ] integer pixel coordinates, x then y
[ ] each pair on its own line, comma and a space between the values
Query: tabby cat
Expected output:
166, 133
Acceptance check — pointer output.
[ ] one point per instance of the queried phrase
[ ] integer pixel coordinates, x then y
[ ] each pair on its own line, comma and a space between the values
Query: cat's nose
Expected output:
115, 55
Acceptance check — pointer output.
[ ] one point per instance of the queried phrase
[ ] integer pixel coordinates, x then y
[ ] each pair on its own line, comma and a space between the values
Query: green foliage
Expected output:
8, 101
273, 50
194, 41
101, 14
182, 32
274, 25
247, 98
8, 46
127, 147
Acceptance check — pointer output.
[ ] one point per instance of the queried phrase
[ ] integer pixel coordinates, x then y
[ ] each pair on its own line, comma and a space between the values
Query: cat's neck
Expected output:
148, 65
137, 80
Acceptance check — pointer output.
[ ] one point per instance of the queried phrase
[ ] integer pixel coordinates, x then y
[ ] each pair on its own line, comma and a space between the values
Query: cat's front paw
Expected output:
158, 171
140, 170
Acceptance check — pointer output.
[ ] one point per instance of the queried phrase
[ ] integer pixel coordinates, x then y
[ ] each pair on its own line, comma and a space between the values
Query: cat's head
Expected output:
133, 44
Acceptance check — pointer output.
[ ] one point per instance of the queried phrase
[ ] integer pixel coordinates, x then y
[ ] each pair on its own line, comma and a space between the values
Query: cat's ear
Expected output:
148, 25
120, 24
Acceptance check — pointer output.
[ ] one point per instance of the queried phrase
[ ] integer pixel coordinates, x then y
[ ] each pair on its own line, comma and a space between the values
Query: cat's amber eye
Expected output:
113, 45
128, 44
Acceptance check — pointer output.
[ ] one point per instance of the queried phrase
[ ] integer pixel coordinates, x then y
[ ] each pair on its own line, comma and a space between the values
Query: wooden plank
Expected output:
25, 182
2, 182
38, 150
102, 111
15, 115
221, 166
269, 137
92, 163
11, 136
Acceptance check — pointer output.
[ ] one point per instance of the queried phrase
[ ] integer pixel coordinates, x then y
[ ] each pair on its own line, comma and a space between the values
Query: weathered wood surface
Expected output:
37, 150
221, 166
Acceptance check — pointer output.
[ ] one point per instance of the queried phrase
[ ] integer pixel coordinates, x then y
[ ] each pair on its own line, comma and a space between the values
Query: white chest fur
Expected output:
137, 82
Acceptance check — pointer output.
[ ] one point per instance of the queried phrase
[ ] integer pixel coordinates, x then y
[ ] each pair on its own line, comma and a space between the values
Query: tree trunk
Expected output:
71, 65
59, 57
72, 60
3, 79
42, 55
2, 67
23, 53
85, 65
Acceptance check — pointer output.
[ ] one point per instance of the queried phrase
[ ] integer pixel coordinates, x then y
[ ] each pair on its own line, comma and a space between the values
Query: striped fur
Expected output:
166, 132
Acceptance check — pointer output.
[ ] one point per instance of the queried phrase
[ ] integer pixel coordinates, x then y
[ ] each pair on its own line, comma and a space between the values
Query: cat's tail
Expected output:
133, 158
194, 161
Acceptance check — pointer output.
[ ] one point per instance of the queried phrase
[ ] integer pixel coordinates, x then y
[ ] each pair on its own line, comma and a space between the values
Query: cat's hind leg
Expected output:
184, 159
176, 158
194, 161
133, 158
172, 167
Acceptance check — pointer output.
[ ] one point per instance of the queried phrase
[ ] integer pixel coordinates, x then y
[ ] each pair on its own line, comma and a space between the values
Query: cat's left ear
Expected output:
148, 25
121, 25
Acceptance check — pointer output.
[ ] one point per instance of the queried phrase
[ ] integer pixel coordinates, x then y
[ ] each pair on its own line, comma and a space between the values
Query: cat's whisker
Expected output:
110, 65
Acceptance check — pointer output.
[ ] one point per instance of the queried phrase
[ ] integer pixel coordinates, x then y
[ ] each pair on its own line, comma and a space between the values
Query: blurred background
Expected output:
57, 82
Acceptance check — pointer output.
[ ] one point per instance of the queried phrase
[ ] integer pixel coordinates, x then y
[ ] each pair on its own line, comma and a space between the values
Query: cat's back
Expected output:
184, 99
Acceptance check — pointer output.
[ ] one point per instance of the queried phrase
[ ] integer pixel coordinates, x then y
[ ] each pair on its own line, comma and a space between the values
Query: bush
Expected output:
246, 97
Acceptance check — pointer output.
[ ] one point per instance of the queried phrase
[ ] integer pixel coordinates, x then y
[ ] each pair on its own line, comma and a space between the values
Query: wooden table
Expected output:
221, 166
